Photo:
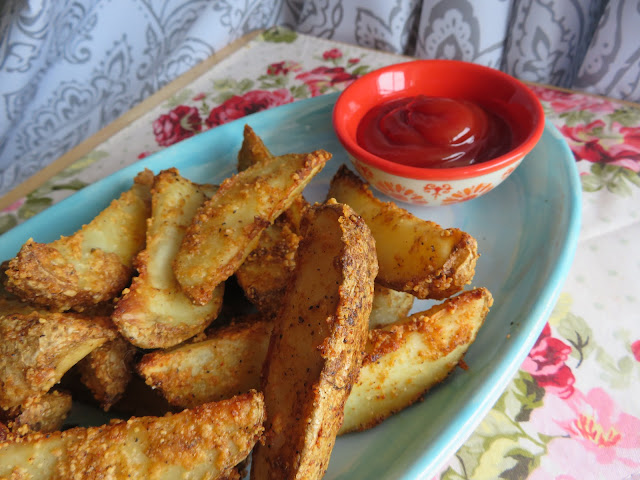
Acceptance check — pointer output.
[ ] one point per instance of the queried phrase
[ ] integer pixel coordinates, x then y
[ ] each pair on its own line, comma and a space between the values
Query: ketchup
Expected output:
433, 132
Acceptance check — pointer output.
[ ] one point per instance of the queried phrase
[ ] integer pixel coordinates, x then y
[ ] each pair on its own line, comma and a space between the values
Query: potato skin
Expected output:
45, 413
91, 266
415, 256
107, 371
265, 273
203, 443
228, 362
37, 348
228, 226
154, 312
405, 359
316, 346
252, 150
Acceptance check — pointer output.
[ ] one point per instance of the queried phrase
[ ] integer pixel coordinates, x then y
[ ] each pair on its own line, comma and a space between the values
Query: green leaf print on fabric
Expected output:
529, 393
272, 81
501, 447
7, 222
179, 98
33, 206
615, 178
619, 372
578, 333
279, 35
230, 87
299, 91
41, 198
627, 117
578, 117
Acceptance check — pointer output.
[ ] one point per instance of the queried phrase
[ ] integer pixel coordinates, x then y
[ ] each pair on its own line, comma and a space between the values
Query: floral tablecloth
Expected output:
572, 412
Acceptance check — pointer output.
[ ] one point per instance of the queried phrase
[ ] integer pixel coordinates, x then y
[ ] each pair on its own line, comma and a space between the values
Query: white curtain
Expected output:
69, 67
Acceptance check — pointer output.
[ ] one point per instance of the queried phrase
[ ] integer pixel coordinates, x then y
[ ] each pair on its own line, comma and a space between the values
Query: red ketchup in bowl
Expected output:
434, 132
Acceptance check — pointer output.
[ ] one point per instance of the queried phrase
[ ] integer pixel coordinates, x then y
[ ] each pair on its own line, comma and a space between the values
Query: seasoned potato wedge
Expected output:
228, 226
91, 266
415, 255
38, 348
203, 443
154, 312
227, 363
45, 413
389, 306
405, 359
11, 304
265, 273
229, 360
253, 150
316, 347
107, 370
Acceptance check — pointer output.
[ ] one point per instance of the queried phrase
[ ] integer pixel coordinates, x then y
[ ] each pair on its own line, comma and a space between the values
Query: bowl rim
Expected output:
420, 173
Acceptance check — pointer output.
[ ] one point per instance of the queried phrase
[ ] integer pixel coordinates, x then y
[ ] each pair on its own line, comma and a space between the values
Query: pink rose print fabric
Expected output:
180, 123
240, 106
546, 364
284, 82
590, 438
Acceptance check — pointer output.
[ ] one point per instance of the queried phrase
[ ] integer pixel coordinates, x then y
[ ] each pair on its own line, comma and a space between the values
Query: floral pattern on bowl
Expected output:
431, 192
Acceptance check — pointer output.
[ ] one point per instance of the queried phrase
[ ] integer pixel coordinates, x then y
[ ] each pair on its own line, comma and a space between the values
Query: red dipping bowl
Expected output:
492, 89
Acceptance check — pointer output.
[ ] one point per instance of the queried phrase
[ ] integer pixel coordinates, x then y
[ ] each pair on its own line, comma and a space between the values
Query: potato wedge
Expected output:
91, 266
230, 359
316, 346
389, 306
154, 312
203, 443
38, 348
253, 150
227, 363
45, 413
265, 273
396, 354
415, 256
228, 226
107, 370
406, 359
10, 304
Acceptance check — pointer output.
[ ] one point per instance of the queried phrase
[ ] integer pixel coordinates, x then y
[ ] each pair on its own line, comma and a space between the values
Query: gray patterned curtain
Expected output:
69, 67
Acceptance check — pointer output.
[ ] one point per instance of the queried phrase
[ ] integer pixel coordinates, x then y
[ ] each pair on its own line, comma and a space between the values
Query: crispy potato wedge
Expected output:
405, 359
265, 273
154, 312
91, 266
228, 226
389, 306
107, 370
253, 150
11, 304
37, 348
203, 443
316, 346
227, 363
45, 413
415, 256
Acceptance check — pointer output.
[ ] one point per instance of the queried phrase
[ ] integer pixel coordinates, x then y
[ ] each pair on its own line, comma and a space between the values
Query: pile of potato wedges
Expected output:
227, 322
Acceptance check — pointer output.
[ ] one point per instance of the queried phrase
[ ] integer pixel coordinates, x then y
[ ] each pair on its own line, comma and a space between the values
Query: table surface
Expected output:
573, 409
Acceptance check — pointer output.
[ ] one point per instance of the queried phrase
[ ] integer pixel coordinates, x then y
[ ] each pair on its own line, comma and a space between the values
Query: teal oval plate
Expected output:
527, 230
